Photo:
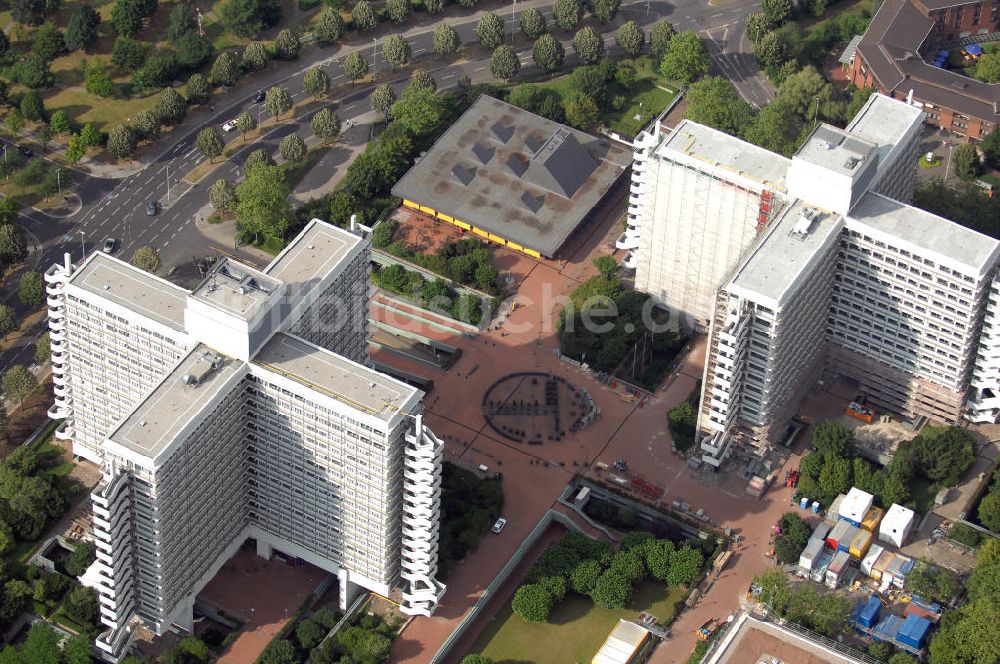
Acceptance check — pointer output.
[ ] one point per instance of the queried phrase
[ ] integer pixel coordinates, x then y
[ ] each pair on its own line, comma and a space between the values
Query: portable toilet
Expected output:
835, 572
860, 544
872, 519
844, 543
815, 507
913, 631
869, 561
855, 506
867, 613
810, 554
896, 525
803, 503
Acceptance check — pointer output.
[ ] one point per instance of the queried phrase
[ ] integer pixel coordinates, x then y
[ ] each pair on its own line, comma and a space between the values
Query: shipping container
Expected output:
855, 506
898, 569
913, 631
835, 572
822, 530
872, 519
896, 525
888, 628
812, 552
869, 561
834, 512
867, 613
883, 562
919, 607
838, 532
819, 568
844, 542
860, 544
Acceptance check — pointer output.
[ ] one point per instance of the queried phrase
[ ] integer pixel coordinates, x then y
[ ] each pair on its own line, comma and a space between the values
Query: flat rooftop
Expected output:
236, 288
172, 404
756, 642
720, 149
335, 376
133, 289
836, 150
883, 120
515, 174
312, 254
786, 253
936, 237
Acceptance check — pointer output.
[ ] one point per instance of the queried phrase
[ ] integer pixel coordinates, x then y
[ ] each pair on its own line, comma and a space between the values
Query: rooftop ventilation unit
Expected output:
189, 379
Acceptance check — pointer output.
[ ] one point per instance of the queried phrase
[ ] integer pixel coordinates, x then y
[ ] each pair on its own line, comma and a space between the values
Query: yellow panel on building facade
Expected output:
462, 224
532, 253
497, 239
410, 204
443, 217
480, 232
512, 245
427, 210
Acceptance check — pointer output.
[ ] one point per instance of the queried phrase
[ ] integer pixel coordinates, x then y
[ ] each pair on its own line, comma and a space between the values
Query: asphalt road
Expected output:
117, 208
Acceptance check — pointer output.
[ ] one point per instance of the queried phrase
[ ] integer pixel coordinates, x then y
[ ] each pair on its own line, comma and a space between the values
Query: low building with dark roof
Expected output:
513, 177
896, 53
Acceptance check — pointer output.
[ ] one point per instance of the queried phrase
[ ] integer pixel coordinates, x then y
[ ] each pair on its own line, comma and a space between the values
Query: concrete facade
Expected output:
258, 418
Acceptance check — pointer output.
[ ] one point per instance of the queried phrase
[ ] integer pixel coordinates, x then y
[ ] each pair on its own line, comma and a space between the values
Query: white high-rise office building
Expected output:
242, 409
838, 278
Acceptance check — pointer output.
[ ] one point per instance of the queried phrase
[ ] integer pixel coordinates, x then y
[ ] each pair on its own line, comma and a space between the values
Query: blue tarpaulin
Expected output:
866, 613
974, 49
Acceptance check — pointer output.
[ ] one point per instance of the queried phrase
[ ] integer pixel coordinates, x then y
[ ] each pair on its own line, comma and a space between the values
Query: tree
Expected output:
757, 26
355, 66
48, 42
31, 291
146, 124
630, 38
122, 142
12, 247
90, 136
75, 150
505, 63
777, 12
127, 17
932, 583
258, 157
183, 19
776, 128
60, 123
581, 111
489, 30
989, 511
224, 70
420, 78
28, 12
397, 10
567, 14
589, 45
659, 38
382, 99
80, 558
446, 40
419, 111
245, 123
32, 107
262, 206
395, 51
434, 6
966, 159
128, 54
43, 349
287, 45
532, 603
33, 71
364, 16
770, 49
170, 107
584, 576
222, 195
14, 121
548, 53
800, 90
833, 439
292, 148
533, 23
316, 82
329, 27
991, 147
477, 659
198, 89
193, 50
81, 605
247, 18
146, 258
657, 556
326, 125
604, 11
210, 142
794, 535
713, 101
612, 591
685, 566
17, 381
686, 58
277, 101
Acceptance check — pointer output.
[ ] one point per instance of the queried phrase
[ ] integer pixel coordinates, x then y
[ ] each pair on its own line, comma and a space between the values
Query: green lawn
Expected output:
809, 25
575, 630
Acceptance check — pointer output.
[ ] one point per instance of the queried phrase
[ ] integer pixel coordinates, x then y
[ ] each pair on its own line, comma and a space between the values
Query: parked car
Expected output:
258, 98
151, 208
109, 244
229, 126
498, 526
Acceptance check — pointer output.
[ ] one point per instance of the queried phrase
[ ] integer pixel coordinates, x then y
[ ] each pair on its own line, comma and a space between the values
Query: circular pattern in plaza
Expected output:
536, 408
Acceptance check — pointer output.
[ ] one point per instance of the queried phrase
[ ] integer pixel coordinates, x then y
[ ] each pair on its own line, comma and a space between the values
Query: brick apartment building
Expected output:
895, 53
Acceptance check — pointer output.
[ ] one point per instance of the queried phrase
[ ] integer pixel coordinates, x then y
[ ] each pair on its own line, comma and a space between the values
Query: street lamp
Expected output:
83, 247
947, 164
374, 57
816, 109
513, 5
59, 181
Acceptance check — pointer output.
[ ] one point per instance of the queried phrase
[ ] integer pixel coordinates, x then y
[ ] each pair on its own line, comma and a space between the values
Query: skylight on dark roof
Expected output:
463, 173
